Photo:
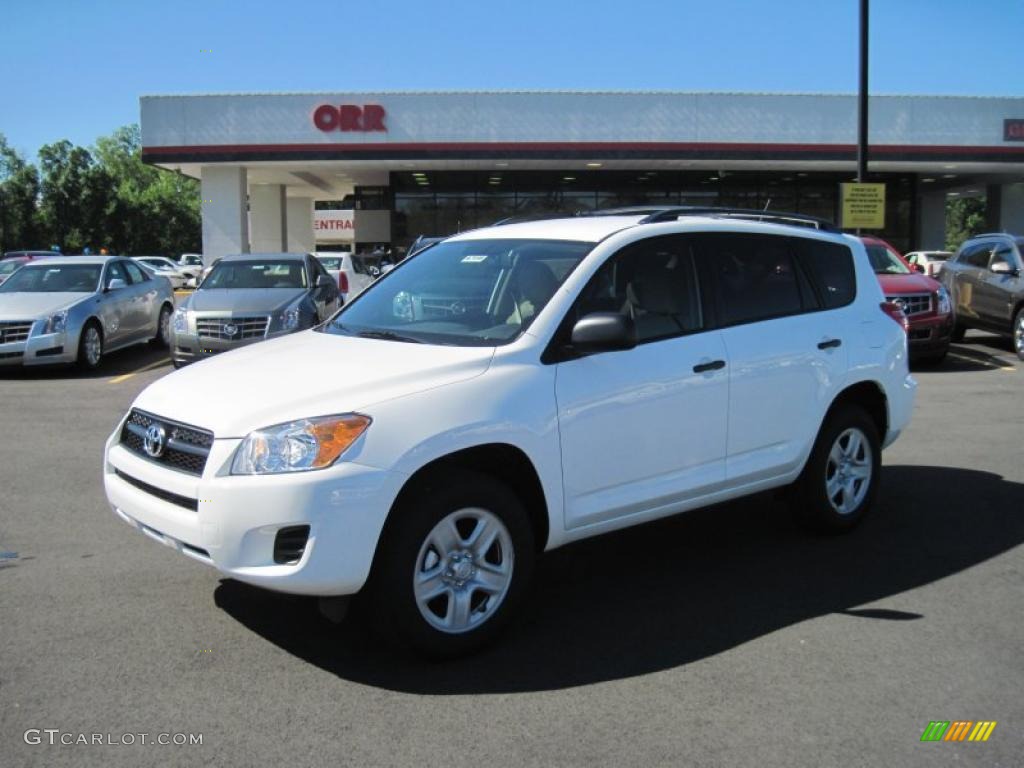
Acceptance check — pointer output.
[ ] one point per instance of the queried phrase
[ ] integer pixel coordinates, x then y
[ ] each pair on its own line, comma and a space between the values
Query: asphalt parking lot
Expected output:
726, 637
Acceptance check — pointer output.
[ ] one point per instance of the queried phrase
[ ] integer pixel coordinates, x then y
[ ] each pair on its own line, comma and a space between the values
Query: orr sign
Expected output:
349, 117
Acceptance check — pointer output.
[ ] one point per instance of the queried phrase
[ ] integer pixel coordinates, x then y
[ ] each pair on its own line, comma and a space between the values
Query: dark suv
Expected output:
984, 281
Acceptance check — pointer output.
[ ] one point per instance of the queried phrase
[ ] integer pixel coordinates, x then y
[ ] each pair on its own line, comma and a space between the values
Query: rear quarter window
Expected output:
830, 268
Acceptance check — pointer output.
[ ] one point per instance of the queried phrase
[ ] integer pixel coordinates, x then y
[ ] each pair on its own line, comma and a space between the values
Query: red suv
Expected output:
923, 300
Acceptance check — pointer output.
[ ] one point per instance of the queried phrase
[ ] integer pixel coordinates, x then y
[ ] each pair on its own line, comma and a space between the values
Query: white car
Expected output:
164, 267
191, 265
928, 262
352, 273
517, 388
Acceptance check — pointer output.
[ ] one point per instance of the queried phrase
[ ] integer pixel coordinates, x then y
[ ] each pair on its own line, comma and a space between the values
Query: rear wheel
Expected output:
455, 561
90, 347
840, 481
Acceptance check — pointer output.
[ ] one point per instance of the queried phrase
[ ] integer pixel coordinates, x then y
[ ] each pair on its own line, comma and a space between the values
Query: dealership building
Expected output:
276, 169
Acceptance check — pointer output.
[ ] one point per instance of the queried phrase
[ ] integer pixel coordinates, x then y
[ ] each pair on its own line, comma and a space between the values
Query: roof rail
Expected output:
777, 217
527, 217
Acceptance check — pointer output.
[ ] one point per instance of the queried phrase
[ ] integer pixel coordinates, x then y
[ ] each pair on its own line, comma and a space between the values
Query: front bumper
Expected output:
930, 334
188, 348
42, 349
236, 519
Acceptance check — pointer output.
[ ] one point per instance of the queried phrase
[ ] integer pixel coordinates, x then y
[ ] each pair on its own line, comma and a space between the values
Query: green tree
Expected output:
965, 217
74, 198
19, 194
151, 210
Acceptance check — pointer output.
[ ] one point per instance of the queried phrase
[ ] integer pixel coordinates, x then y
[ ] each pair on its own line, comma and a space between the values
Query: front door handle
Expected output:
714, 365
830, 344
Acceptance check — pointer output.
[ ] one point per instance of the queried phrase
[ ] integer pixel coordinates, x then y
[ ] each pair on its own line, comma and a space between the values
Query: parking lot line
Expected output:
983, 358
143, 369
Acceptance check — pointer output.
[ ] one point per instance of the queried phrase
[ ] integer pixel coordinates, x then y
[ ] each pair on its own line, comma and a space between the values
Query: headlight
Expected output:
56, 323
944, 307
179, 321
298, 445
290, 319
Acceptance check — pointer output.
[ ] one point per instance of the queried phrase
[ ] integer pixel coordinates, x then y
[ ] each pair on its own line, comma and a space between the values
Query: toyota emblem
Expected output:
155, 440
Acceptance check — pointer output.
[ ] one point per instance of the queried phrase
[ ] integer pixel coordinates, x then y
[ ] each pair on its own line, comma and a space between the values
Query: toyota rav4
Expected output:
513, 389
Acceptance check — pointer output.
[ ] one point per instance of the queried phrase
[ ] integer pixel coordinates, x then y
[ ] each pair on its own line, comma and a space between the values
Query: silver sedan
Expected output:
76, 309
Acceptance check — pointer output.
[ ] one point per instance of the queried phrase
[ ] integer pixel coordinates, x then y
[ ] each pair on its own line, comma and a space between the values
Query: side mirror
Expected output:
323, 280
919, 268
1003, 268
115, 283
603, 332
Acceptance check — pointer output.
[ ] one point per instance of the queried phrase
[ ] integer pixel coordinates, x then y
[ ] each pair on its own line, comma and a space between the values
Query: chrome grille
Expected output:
913, 303
187, 447
14, 330
232, 328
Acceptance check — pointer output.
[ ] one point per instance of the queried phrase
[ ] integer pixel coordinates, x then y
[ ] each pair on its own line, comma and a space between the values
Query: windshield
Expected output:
884, 261
329, 263
54, 278
467, 293
9, 265
157, 263
264, 273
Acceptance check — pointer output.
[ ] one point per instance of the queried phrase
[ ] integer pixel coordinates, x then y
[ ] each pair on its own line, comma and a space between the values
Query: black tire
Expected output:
959, 329
814, 507
86, 360
177, 364
1017, 334
390, 598
163, 327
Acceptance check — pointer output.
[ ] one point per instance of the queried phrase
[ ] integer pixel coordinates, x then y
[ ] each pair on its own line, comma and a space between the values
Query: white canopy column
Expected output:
301, 237
269, 225
225, 224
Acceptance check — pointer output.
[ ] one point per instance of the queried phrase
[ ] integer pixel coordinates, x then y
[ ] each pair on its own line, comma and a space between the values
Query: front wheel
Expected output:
90, 347
959, 329
1018, 333
840, 481
455, 561
163, 327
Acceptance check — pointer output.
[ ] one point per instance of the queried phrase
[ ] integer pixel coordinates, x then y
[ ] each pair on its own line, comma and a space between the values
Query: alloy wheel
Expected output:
463, 570
848, 471
93, 346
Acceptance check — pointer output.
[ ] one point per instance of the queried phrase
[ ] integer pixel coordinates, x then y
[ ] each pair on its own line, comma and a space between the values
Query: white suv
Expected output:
516, 388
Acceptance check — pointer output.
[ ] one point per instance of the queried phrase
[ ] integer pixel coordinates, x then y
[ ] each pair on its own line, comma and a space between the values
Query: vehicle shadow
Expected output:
117, 363
680, 590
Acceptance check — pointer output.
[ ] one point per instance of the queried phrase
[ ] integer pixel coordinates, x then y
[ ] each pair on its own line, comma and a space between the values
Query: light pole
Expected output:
862, 97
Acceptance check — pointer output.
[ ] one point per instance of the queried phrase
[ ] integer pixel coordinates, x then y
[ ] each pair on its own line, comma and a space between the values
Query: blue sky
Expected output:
75, 69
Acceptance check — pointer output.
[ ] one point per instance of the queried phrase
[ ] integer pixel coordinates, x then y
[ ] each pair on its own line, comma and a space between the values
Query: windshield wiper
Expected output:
387, 335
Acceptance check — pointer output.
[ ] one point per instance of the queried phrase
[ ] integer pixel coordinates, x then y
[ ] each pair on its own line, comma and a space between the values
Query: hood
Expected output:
912, 283
28, 306
260, 300
302, 375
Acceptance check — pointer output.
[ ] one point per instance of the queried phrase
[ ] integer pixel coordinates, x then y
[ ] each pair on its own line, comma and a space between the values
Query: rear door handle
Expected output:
714, 365
830, 344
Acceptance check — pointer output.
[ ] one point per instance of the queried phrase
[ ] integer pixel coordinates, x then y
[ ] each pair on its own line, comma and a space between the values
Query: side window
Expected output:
1004, 253
977, 255
756, 278
830, 267
136, 272
115, 272
655, 281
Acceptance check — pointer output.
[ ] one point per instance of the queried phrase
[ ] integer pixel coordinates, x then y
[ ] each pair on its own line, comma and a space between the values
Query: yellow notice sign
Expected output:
863, 206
